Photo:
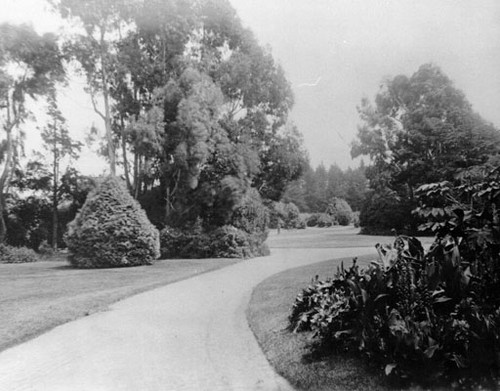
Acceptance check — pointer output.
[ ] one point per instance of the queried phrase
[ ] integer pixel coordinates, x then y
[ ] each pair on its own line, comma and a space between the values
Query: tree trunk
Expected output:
137, 180
107, 111
55, 221
167, 205
125, 160
3, 185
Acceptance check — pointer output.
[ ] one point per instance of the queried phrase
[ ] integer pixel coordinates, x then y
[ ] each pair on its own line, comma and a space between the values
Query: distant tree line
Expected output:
313, 192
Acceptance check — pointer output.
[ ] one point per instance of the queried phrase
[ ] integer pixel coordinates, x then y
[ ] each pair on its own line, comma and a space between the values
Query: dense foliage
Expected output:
321, 220
286, 215
111, 230
339, 210
223, 242
383, 211
197, 107
29, 218
10, 254
420, 129
430, 317
244, 237
30, 66
194, 110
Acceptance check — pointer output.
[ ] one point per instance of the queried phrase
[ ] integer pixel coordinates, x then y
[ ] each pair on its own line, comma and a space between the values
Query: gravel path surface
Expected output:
190, 335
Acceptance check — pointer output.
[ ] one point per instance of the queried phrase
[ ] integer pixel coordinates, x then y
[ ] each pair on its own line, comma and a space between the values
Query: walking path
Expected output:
190, 335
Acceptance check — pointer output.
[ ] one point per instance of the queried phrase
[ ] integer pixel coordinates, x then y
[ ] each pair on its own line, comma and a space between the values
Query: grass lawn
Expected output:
289, 353
35, 297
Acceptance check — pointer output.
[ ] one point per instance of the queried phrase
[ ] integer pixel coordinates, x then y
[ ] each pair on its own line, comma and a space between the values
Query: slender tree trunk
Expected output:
55, 221
137, 183
125, 160
107, 111
168, 210
3, 184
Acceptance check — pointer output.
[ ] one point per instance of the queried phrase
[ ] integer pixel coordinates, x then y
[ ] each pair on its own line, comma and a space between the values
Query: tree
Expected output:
224, 103
30, 65
421, 129
95, 51
59, 144
198, 106
283, 162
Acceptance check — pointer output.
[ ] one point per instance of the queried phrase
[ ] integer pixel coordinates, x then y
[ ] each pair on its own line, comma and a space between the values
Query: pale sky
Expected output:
335, 52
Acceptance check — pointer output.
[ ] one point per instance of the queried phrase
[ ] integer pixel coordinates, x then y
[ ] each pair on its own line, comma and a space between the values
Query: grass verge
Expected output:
36, 297
290, 353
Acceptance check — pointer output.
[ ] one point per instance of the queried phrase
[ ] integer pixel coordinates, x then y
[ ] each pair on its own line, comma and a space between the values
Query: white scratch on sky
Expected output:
310, 84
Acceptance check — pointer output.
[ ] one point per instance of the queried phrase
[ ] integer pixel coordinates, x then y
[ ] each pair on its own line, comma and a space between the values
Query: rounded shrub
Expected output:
253, 218
111, 230
383, 211
230, 242
10, 254
312, 220
325, 221
172, 242
340, 211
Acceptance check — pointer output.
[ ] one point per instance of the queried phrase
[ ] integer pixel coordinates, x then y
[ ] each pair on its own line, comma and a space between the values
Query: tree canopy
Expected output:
421, 129
30, 65
195, 110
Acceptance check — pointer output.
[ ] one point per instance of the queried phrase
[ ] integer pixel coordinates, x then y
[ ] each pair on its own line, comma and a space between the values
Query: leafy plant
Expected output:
10, 254
410, 313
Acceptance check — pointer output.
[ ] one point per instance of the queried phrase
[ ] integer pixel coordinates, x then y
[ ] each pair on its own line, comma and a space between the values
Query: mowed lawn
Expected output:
36, 297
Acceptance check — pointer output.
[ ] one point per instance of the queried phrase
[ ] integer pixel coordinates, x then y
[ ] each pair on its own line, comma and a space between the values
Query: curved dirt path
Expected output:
190, 335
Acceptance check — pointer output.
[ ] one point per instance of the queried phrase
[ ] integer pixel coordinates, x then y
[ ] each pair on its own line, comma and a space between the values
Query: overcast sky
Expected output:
334, 52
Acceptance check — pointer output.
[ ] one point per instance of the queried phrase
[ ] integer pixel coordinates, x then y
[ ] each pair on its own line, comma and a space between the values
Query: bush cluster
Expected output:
111, 230
383, 211
433, 316
417, 317
286, 215
339, 210
244, 237
321, 220
223, 242
10, 254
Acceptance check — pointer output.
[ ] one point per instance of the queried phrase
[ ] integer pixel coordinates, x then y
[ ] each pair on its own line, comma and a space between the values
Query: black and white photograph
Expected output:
239, 195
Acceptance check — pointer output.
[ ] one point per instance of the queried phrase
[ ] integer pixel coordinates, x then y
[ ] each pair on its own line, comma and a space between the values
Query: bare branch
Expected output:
92, 98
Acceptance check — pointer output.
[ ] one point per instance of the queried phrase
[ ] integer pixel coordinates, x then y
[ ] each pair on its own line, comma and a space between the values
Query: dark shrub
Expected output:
9, 254
223, 242
173, 242
355, 219
287, 214
28, 221
111, 230
243, 238
340, 211
230, 242
251, 215
301, 224
324, 221
383, 211
312, 220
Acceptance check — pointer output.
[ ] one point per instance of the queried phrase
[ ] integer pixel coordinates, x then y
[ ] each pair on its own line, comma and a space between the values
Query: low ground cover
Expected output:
36, 297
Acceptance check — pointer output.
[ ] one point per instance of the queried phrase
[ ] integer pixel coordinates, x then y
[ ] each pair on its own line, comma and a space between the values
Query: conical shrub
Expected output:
111, 230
